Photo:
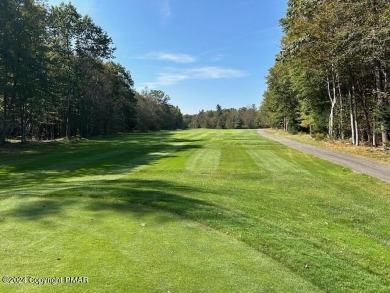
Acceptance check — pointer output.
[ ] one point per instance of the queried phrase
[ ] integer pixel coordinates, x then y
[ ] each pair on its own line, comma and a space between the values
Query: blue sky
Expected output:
200, 52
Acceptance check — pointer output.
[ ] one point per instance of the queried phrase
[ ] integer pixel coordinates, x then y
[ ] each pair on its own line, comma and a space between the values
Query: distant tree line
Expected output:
332, 74
155, 113
223, 118
57, 78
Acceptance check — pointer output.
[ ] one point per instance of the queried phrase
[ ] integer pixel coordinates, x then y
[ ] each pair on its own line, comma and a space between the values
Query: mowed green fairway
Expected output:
190, 211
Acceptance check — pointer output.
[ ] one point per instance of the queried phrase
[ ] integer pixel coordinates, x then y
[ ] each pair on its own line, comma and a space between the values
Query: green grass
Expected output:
190, 211
364, 150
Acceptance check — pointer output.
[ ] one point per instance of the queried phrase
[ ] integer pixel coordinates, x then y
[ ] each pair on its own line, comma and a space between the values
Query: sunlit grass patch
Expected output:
190, 211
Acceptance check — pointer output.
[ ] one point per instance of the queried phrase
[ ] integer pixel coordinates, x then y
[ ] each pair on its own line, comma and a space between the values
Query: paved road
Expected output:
368, 167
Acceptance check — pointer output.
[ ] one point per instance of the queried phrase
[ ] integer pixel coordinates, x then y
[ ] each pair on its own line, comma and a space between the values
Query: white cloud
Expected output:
165, 10
173, 57
217, 57
170, 79
213, 72
166, 80
200, 73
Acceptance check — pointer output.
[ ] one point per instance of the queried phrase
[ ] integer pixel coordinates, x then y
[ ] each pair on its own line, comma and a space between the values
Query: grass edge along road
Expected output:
199, 210
378, 154
357, 164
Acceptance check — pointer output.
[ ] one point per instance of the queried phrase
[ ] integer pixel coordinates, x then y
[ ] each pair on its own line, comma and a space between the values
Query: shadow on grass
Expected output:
130, 196
24, 169
49, 163
47, 178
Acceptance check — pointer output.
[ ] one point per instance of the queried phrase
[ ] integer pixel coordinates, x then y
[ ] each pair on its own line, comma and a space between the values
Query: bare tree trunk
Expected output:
354, 109
23, 123
333, 98
3, 131
380, 104
70, 86
385, 137
342, 130
355, 121
67, 128
351, 117
368, 125
373, 132
385, 131
287, 124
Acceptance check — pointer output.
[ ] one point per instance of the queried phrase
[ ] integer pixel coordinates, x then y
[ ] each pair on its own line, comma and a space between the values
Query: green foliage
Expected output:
318, 136
155, 113
238, 123
22, 64
56, 77
78, 48
281, 99
224, 118
333, 65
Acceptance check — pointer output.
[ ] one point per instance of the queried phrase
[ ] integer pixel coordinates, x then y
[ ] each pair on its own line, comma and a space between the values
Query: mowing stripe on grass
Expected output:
207, 210
204, 161
113, 244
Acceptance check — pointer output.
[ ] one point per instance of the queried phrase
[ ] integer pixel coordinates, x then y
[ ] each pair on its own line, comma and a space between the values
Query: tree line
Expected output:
219, 118
57, 78
332, 74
